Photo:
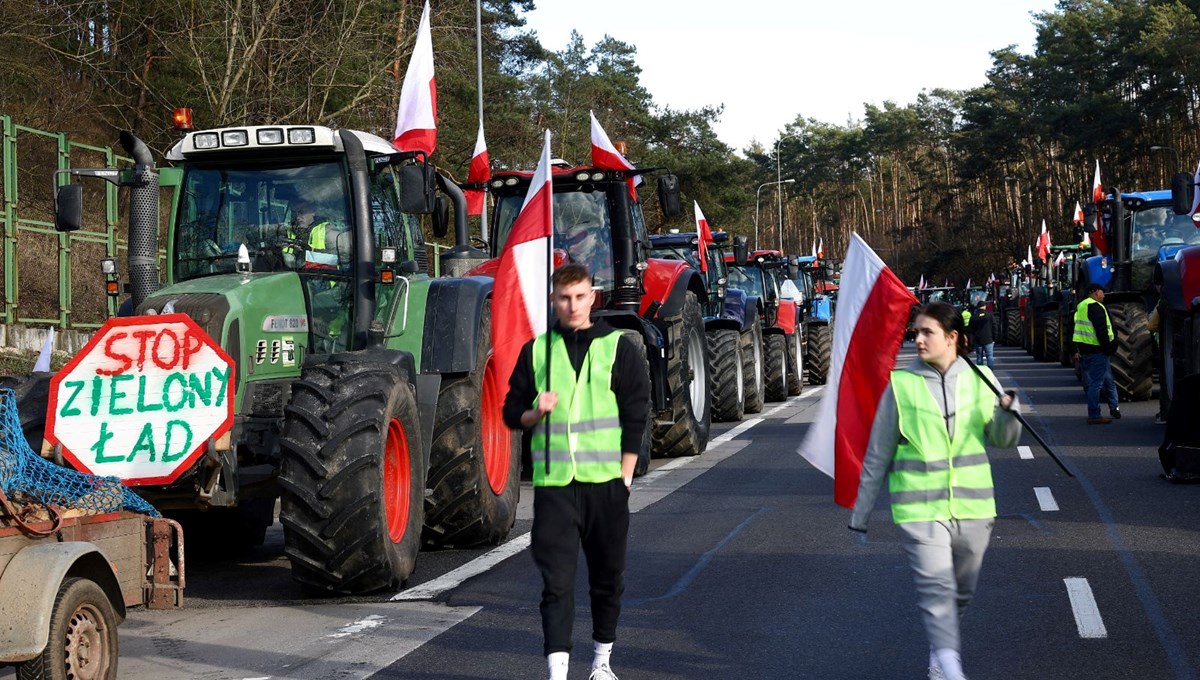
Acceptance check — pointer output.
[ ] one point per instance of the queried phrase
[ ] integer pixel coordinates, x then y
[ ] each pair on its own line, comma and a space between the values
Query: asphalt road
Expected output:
741, 566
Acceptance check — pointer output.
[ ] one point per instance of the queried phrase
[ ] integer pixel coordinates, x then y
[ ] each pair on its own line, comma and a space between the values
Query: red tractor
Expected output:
761, 275
598, 221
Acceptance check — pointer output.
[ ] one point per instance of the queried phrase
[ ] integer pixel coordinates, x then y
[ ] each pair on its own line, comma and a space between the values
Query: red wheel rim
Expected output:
397, 480
497, 447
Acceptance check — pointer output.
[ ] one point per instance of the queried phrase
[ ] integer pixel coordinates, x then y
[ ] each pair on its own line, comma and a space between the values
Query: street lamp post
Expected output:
1174, 155
779, 195
756, 195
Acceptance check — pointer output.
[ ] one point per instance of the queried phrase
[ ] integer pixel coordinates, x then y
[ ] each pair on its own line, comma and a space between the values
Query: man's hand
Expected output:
546, 403
1006, 401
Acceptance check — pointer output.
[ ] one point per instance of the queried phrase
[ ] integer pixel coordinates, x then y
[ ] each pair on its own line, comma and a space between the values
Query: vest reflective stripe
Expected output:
1085, 333
584, 430
933, 477
316, 238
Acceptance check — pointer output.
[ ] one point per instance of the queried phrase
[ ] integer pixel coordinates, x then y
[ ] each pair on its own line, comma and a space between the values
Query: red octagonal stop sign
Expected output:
142, 399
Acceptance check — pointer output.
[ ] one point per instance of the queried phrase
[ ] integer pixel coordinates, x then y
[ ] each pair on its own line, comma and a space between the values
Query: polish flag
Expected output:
1098, 197
861, 364
1078, 218
416, 117
521, 305
821, 250
1195, 191
1087, 240
1060, 259
814, 253
921, 284
1029, 255
479, 173
703, 237
1044, 244
606, 157
968, 282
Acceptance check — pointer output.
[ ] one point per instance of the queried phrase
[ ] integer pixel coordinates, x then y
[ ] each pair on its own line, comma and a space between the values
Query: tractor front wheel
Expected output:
776, 355
820, 344
688, 381
728, 381
1133, 362
795, 367
752, 369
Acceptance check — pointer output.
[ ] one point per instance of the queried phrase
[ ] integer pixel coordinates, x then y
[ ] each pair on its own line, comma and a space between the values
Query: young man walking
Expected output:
1094, 344
587, 403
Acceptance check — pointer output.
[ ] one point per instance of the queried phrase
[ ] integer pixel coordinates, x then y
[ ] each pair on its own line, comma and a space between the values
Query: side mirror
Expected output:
1183, 192
441, 216
417, 189
68, 208
740, 251
668, 196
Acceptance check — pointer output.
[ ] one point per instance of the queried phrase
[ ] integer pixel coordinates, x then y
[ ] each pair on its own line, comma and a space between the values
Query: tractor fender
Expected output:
452, 313
754, 312
1180, 279
29, 586
666, 282
735, 307
1167, 277
722, 323
1098, 269
787, 316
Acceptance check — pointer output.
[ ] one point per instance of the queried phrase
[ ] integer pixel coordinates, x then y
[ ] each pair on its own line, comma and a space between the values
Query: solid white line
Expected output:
475, 567
728, 436
1046, 499
1025, 452
1083, 606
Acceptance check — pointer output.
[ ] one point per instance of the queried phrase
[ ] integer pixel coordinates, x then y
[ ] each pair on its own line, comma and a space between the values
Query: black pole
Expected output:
1018, 416
549, 317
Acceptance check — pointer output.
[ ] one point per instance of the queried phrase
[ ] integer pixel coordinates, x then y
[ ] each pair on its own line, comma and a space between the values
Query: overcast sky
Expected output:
768, 61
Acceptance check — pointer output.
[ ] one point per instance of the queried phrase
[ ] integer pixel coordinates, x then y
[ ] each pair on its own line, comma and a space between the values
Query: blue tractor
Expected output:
811, 277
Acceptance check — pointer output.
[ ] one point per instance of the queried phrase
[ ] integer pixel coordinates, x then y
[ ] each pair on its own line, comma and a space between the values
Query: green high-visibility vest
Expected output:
585, 428
966, 315
933, 477
1085, 333
316, 238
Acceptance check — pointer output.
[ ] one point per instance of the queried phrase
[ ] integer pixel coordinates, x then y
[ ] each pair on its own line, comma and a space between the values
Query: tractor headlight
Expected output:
234, 138
108, 265
301, 136
205, 140
511, 182
270, 136
582, 176
387, 255
597, 176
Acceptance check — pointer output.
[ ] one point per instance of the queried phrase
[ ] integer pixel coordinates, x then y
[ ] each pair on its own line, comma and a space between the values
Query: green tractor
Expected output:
366, 398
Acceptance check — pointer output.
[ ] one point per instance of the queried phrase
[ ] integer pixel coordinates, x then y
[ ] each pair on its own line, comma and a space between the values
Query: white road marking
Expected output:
1046, 499
742, 427
1025, 452
1083, 605
453, 578
372, 621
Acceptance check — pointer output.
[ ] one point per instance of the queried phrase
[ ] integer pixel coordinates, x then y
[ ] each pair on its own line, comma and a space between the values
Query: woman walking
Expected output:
928, 440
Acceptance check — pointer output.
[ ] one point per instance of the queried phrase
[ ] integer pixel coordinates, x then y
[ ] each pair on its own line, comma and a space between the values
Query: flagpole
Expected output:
483, 216
1018, 416
549, 296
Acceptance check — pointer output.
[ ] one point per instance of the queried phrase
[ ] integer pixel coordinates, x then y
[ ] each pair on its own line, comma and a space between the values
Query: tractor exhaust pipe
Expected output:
143, 220
463, 256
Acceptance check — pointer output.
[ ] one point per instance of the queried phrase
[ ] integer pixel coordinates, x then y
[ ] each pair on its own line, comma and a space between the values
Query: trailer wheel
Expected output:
688, 380
1133, 362
475, 461
353, 476
820, 344
83, 636
1050, 335
33, 399
795, 367
1012, 327
728, 379
776, 354
752, 369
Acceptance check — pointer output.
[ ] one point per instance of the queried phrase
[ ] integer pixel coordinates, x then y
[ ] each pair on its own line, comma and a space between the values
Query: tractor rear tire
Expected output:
474, 477
1066, 333
753, 369
1052, 343
33, 399
688, 380
353, 476
643, 462
820, 343
1037, 337
776, 355
1168, 367
1133, 362
795, 367
1012, 327
728, 382
83, 639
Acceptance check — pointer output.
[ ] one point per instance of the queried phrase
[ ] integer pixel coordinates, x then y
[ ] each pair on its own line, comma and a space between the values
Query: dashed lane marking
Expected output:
1083, 605
1045, 499
1025, 452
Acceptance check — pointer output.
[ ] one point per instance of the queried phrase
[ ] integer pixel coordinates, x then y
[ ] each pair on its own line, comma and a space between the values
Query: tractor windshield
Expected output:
582, 228
748, 278
1153, 228
289, 217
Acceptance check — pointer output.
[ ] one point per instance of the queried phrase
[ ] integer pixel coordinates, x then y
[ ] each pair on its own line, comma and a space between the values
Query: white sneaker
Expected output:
602, 672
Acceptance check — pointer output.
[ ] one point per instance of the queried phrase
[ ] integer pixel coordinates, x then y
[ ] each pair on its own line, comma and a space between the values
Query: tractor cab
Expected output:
685, 247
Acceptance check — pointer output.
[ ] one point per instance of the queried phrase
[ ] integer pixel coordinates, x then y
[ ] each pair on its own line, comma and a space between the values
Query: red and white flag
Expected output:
606, 157
1195, 191
1044, 244
479, 173
921, 283
1060, 259
862, 358
1029, 255
1087, 240
1078, 218
968, 282
1098, 197
821, 249
521, 304
814, 253
416, 117
703, 237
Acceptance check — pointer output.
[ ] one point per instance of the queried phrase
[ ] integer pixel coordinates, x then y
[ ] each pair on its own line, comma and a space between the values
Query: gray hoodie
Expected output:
1003, 431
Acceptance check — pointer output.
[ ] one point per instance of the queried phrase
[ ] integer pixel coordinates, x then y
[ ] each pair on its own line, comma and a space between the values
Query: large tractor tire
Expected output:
1051, 340
33, 399
1037, 337
1012, 327
1066, 345
775, 351
353, 476
1168, 365
643, 462
1133, 362
820, 344
475, 461
795, 367
688, 380
728, 380
753, 369
83, 636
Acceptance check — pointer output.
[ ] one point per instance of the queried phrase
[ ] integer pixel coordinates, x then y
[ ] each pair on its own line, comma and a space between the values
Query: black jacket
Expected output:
981, 328
1098, 316
630, 382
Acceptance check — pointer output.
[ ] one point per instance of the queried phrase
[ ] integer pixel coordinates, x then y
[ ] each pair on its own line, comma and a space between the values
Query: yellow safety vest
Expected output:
933, 477
1085, 333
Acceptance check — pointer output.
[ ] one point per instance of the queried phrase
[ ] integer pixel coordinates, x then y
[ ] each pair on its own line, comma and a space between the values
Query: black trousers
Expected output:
596, 516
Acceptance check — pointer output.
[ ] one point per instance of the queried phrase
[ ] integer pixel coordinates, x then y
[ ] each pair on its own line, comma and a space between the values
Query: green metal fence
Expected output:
52, 278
